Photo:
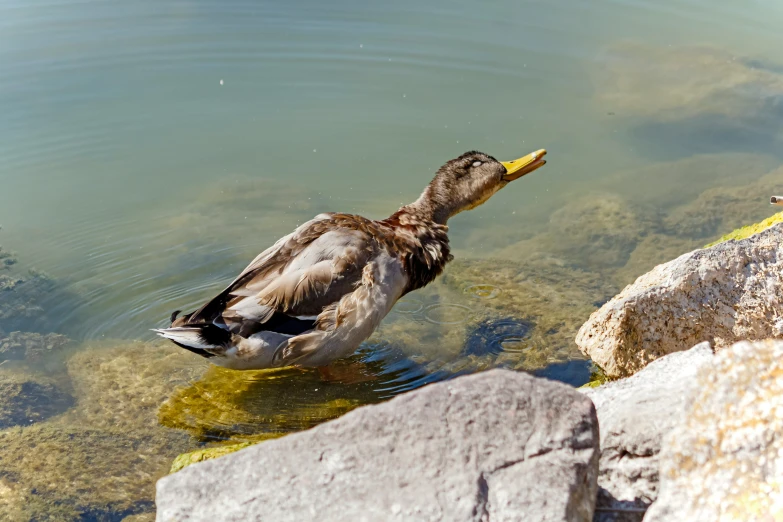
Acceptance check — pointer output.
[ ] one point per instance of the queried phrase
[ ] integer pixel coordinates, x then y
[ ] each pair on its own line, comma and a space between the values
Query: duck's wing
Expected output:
290, 283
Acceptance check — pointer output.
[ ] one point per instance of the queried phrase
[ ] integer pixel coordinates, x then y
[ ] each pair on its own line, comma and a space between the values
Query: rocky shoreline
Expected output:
688, 429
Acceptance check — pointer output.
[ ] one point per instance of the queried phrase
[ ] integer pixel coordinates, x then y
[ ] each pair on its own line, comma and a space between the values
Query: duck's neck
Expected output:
423, 241
428, 208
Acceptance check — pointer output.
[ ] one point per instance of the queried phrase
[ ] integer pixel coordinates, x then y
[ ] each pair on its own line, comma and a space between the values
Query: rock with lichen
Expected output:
200, 455
722, 294
634, 415
27, 399
651, 251
30, 346
749, 230
725, 460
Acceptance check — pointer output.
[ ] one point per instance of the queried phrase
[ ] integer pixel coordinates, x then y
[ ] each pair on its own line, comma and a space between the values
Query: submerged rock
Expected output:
720, 209
73, 474
495, 336
671, 83
30, 346
721, 294
99, 458
634, 415
22, 299
725, 460
444, 452
596, 232
650, 252
258, 405
25, 399
543, 292
121, 384
658, 189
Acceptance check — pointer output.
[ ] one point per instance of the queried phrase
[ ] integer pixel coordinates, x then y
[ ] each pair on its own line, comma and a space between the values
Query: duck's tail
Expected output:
203, 339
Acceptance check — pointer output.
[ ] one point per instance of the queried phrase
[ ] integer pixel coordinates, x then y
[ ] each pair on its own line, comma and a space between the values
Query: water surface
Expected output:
148, 150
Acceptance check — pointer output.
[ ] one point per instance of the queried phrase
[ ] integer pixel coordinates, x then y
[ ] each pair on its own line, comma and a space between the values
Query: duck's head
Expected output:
471, 179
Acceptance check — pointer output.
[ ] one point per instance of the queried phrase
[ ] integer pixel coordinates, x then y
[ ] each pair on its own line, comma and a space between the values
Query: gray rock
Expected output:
725, 460
495, 446
723, 294
635, 414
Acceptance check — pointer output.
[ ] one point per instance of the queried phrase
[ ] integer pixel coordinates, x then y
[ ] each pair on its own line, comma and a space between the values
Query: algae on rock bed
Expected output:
30, 346
721, 209
671, 83
26, 399
100, 459
257, 405
121, 384
71, 472
596, 232
556, 299
22, 301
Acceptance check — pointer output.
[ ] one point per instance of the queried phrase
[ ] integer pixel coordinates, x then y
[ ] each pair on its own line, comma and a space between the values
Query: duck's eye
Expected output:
476, 163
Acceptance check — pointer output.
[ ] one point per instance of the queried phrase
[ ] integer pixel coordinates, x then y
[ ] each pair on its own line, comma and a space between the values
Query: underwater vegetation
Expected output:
22, 298
30, 346
27, 399
84, 443
249, 406
79, 438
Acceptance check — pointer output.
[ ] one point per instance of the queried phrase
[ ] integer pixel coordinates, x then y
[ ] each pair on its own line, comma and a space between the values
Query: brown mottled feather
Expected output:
333, 250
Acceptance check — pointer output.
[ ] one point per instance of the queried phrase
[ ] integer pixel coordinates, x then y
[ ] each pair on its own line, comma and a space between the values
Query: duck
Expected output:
316, 294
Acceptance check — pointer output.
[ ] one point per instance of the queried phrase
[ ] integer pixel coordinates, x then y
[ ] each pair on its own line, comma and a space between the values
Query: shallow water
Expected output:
148, 150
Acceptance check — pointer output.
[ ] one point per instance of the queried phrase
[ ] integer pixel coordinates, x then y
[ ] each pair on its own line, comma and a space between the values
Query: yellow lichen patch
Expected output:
200, 455
747, 231
597, 378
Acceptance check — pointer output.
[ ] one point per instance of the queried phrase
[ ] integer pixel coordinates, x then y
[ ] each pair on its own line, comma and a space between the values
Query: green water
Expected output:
148, 150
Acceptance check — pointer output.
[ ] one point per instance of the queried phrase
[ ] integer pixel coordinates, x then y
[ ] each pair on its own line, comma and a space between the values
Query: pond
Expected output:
149, 150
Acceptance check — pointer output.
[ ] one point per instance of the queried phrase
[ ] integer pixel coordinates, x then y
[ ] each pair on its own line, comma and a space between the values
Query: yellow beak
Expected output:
525, 165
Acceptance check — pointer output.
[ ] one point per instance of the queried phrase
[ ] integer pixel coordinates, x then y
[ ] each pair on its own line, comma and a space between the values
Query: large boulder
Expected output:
635, 414
498, 445
725, 460
722, 294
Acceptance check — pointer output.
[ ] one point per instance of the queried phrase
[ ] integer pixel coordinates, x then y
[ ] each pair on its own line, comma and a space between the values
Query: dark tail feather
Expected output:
202, 339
